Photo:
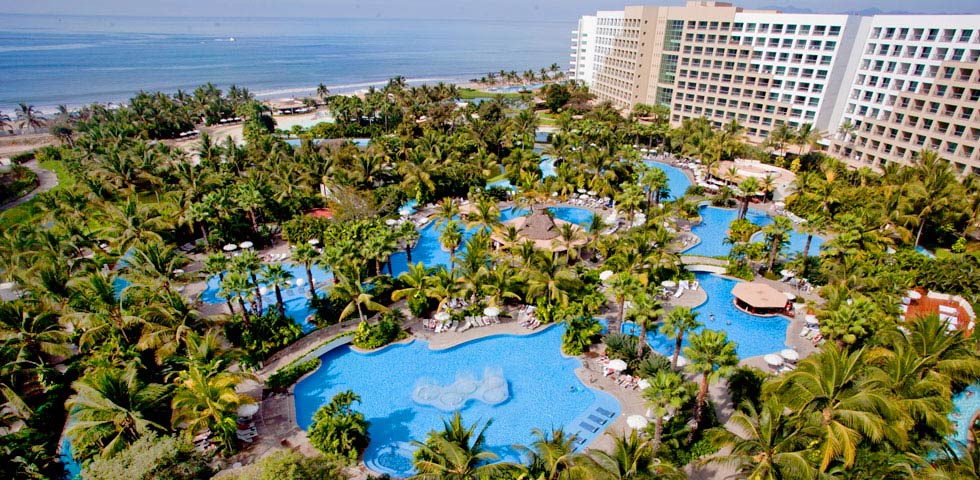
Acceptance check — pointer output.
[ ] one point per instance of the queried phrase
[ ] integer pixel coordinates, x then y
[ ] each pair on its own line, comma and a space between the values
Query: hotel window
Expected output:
965, 35
834, 31
819, 30
790, 29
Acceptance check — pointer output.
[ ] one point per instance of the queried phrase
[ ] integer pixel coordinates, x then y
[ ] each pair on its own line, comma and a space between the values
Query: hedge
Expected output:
288, 375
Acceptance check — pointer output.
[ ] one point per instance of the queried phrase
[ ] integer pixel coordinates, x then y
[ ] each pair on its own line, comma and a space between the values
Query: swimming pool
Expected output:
540, 390
547, 166
360, 142
965, 405
714, 228
515, 88
429, 251
677, 180
753, 335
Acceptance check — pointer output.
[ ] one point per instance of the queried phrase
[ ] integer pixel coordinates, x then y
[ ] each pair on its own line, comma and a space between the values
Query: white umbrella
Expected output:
811, 319
231, 247
300, 282
787, 273
554, 194
773, 360
616, 365
643, 383
790, 354
789, 296
606, 275
248, 410
491, 311
637, 421
681, 361
313, 241
390, 222
914, 295
668, 284
263, 290
592, 192
580, 190
780, 204
246, 245
442, 316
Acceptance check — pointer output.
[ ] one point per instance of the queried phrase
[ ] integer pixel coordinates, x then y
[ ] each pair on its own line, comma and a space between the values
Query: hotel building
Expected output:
764, 68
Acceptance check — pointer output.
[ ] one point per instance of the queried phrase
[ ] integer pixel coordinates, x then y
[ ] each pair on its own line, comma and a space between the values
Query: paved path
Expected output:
46, 181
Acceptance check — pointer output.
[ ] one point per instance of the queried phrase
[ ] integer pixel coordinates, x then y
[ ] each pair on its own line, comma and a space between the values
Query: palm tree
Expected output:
624, 287
551, 277
248, 263
668, 391
236, 285
777, 237
307, 255
746, 190
111, 409
814, 225
551, 456
632, 458
408, 234
455, 453
712, 356
323, 92
764, 445
827, 390
447, 209
279, 278
450, 238
28, 118
357, 294
679, 321
806, 136
5, 124
209, 402
338, 429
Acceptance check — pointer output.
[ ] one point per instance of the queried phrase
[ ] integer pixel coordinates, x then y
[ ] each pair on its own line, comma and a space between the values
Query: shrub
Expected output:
290, 465
745, 385
151, 457
581, 333
338, 429
266, 335
16, 182
388, 329
22, 157
286, 376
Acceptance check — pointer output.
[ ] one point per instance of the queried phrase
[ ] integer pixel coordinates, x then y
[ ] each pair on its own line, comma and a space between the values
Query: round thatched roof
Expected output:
539, 226
759, 295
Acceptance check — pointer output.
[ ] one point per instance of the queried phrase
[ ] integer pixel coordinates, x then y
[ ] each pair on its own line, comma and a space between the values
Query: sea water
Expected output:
76, 60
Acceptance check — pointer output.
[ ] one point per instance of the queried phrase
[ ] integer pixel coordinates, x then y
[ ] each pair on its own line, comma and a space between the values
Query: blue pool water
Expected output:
73, 467
925, 251
541, 137
547, 166
542, 392
408, 208
505, 183
294, 298
429, 251
516, 88
753, 335
714, 228
965, 404
677, 181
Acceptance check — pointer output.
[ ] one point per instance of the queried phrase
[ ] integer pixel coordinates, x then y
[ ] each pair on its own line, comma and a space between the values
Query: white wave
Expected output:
38, 48
349, 87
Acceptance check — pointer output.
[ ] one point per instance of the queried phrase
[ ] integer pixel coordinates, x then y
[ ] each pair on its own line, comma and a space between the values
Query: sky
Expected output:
538, 10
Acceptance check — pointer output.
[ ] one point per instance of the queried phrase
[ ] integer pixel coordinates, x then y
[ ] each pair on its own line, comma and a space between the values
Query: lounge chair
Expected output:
603, 411
600, 421
589, 427
679, 292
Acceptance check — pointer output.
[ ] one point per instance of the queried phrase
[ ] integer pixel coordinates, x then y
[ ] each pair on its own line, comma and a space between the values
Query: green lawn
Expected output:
26, 211
469, 93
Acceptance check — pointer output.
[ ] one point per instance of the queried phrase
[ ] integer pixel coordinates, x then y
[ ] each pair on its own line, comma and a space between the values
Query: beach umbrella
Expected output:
263, 290
313, 241
554, 194
7, 286
789, 354
790, 296
231, 247
637, 421
616, 365
491, 311
390, 222
773, 360
668, 284
245, 245
643, 383
442, 316
914, 295
787, 273
248, 410
811, 319
580, 190
300, 282
606, 275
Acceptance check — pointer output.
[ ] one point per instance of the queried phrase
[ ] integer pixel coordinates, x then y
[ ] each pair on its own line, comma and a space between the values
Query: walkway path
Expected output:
46, 181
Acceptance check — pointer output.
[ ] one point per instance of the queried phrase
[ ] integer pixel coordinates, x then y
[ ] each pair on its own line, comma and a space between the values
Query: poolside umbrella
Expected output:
592, 193
616, 365
914, 295
248, 410
313, 241
789, 296
668, 284
790, 354
231, 247
491, 311
643, 383
811, 320
300, 282
580, 190
606, 275
773, 360
442, 316
787, 273
390, 222
636, 421
245, 245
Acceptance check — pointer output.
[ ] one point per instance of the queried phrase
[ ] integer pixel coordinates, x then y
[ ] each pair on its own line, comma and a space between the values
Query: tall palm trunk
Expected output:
204, 235
776, 241
279, 303
658, 431
677, 349
309, 277
918, 235
806, 252
245, 316
699, 405
642, 341
258, 295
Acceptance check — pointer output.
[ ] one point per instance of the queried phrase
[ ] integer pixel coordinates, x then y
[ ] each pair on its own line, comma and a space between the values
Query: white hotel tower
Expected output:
904, 82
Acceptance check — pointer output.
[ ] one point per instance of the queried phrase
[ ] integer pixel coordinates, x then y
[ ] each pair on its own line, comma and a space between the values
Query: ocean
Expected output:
75, 60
